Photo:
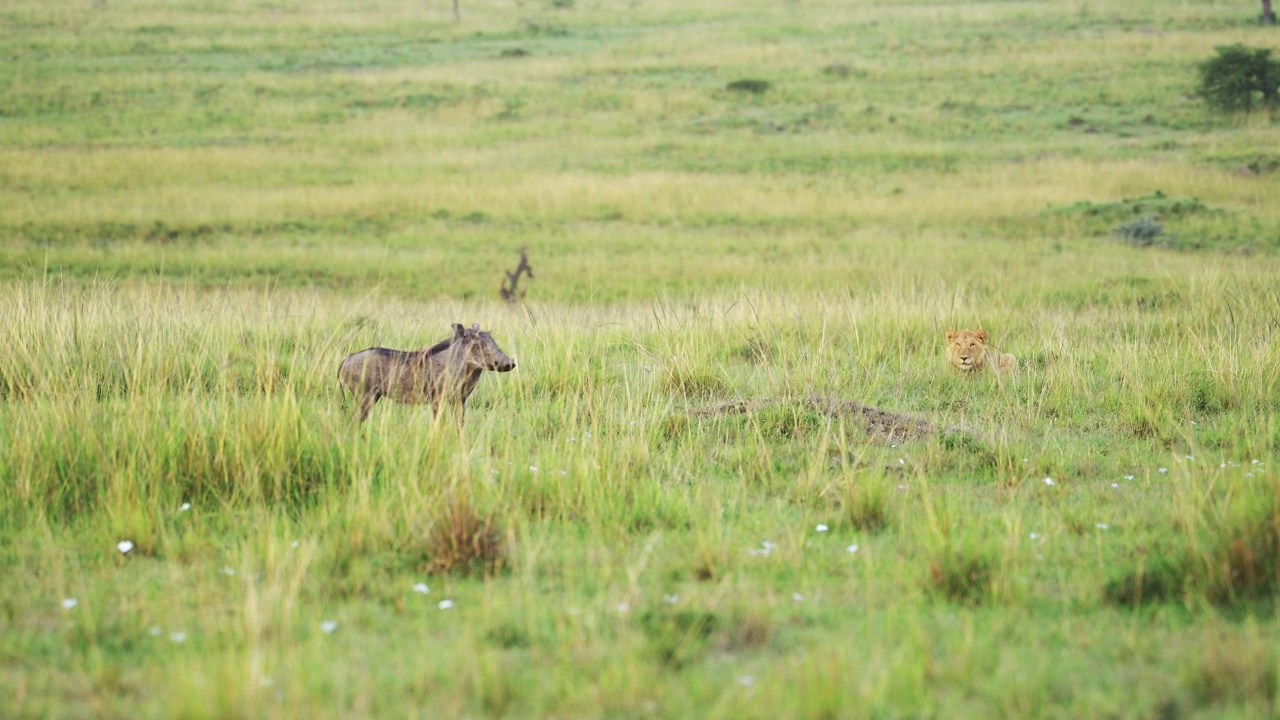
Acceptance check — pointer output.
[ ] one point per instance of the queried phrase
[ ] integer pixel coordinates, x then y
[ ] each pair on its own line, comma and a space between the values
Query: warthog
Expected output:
444, 373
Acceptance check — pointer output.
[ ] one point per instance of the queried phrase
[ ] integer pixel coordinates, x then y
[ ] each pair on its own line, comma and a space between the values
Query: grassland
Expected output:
205, 206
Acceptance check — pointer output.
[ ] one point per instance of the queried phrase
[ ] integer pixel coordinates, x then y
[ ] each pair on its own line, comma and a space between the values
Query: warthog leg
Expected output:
366, 404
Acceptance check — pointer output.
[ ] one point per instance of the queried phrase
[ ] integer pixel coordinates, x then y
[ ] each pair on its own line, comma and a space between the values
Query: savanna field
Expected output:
732, 475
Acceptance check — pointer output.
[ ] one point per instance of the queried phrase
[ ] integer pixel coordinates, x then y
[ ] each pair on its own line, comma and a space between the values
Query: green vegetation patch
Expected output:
1159, 221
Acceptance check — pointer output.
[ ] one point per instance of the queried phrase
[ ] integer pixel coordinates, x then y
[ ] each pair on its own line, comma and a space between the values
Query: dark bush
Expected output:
749, 85
462, 541
1143, 232
1240, 79
961, 576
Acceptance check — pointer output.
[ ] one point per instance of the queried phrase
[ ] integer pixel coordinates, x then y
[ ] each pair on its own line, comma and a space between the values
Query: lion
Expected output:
967, 352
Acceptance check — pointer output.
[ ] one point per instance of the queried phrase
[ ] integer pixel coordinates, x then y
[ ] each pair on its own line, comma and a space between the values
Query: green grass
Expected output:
204, 207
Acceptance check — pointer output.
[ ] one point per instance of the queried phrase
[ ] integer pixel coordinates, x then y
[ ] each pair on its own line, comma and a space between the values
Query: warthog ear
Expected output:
951, 336
982, 336
458, 330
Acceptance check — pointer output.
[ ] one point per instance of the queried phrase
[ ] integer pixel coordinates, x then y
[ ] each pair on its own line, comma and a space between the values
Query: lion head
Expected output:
967, 351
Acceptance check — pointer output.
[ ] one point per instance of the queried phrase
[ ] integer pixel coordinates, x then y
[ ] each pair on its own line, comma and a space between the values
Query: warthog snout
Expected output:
445, 373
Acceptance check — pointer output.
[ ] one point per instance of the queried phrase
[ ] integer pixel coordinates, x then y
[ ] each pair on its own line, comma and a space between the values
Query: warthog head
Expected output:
480, 351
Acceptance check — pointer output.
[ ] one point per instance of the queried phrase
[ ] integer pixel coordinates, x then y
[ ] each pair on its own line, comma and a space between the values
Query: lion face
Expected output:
967, 351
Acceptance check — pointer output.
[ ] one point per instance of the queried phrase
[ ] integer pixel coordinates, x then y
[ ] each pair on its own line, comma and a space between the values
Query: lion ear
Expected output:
982, 336
952, 335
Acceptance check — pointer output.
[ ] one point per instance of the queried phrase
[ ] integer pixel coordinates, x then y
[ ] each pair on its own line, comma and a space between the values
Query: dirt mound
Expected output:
877, 423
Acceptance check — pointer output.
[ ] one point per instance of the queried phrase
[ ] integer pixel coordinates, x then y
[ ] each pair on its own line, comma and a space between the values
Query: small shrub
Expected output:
461, 541
961, 576
1240, 79
1143, 232
749, 85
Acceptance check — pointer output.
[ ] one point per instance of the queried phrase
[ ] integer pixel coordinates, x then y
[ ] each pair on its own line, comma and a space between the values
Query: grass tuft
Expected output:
961, 575
751, 86
866, 506
463, 542
1235, 666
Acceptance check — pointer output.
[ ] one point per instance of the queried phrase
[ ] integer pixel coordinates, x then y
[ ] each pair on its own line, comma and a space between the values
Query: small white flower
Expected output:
894, 445
767, 545
421, 589
1102, 526
156, 630
1193, 422
533, 468
1025, 459
586, 436
851, 549
624, 607
1163, 470
633, 422
328, 626
1115, 485
228, 572
822, 528
1222, 465
797, 597
185, 507
1249, 474
573, 439
1128, 477
902, 487
563, 473
445, 604
69, 603
1255, 462
294, 544
902, 461
746, 680
671, 599
1191, 457
178, 637
1035, 536
1048, 481
124, 546
495, 472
